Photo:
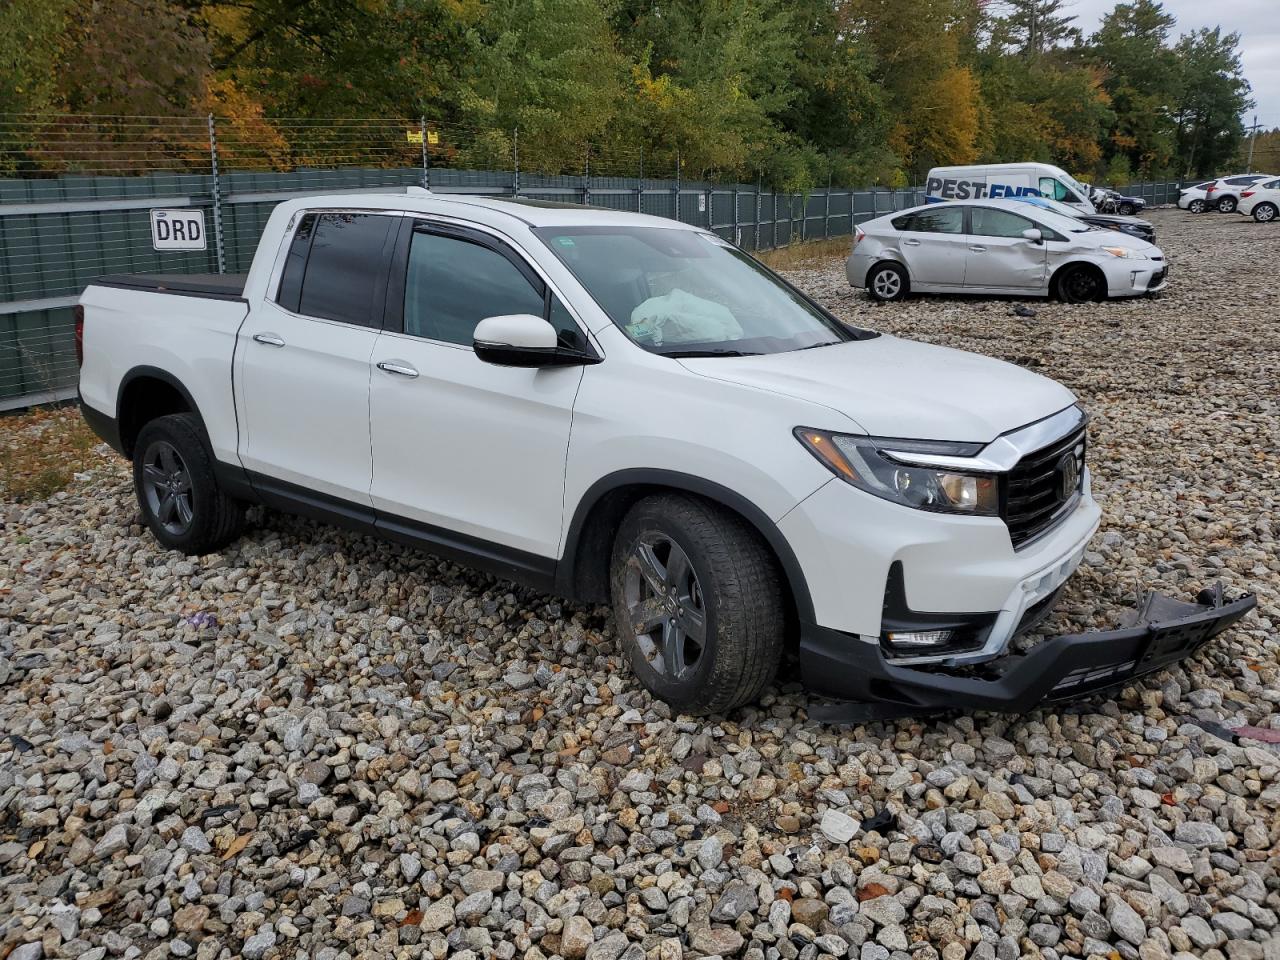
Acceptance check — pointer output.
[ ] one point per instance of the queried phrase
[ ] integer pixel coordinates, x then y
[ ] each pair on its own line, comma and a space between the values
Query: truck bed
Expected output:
213, 286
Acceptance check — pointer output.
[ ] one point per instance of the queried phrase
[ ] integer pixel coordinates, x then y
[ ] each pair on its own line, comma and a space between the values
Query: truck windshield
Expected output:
685, 293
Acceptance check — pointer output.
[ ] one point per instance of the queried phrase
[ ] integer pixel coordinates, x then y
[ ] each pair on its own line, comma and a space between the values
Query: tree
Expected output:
1212, 95
1036, 26
1140, 76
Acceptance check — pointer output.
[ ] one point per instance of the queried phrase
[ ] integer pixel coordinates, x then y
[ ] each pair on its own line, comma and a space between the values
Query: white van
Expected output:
997, 180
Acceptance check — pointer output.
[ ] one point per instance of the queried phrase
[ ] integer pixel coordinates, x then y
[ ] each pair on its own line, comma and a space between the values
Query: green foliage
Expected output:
794, 92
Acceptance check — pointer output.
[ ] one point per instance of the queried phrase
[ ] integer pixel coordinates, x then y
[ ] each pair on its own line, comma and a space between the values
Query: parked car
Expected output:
1006, 180
1223, 194
1107, 200
1261, 201
626, 409
1000, 247
1195, 197
1142, 229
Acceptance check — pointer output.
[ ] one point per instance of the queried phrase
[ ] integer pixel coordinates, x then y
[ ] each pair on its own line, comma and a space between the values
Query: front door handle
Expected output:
976, 248
399, 367
911, 243
270, 339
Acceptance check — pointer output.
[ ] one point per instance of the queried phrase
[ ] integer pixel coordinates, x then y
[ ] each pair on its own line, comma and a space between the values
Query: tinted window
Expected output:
295, 264
989, 222
452, 284
566, 327
1241, 181
344, 267
944, 219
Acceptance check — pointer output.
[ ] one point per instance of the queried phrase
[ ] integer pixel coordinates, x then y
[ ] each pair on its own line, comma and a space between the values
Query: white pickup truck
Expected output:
625, 409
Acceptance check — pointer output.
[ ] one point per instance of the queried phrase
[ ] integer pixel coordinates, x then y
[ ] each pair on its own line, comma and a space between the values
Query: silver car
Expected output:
1000, 247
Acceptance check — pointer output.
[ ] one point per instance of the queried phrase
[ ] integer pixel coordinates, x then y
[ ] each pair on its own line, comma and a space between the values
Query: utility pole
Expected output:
1253, 135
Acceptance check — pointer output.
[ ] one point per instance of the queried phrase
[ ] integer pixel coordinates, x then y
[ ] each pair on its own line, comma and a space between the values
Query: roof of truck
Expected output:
534, 213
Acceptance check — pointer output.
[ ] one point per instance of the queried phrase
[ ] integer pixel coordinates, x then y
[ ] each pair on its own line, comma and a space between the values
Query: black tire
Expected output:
1227, 205
887, 282
734, 587
1196, 206
177, 491
1265, 212
1080, 283
1126, 210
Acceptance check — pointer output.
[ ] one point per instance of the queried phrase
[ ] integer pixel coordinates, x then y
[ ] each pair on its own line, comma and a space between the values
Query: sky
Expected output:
1255, 20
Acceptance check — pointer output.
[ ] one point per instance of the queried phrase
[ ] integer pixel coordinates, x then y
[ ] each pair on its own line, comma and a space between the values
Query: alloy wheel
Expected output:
166, 484
665, 606
1265, 213
886, 284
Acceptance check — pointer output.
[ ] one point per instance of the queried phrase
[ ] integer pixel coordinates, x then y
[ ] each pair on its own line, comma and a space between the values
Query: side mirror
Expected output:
1033, 235
523, 340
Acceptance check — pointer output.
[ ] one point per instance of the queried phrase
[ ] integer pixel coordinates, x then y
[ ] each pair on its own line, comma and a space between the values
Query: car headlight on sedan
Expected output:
1124, 253
869, 464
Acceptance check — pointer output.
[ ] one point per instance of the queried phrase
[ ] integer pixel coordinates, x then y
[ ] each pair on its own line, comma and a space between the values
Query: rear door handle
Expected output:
399, 367
977, 249
270, 339
911, 243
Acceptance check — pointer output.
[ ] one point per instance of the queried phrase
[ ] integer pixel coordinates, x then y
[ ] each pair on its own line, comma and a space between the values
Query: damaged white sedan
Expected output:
1000, 247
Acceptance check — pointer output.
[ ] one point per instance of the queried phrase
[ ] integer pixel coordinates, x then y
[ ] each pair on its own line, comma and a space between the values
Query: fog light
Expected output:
920, 638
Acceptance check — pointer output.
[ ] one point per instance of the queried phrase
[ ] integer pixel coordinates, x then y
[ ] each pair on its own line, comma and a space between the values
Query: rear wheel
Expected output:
1081, 283
1227, 205
173, 477
1265, 212
887, 281
697, 601
1196, 206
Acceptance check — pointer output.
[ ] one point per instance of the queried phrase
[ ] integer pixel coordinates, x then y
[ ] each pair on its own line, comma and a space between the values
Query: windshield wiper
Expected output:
707, 353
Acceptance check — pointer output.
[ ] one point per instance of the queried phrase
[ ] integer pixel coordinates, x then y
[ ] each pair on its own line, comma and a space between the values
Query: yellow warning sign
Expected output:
413, 136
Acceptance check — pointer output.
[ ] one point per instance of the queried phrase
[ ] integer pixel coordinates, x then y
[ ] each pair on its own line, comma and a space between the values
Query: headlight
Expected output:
1124, 253
864, 462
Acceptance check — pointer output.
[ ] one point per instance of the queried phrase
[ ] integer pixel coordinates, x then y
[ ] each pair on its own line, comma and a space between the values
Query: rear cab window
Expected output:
336, 267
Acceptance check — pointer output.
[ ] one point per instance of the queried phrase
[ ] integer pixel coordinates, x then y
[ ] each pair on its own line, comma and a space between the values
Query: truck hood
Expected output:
901, 388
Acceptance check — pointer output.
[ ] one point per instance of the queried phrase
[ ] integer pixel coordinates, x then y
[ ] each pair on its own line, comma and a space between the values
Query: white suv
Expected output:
627, 410
1223, 194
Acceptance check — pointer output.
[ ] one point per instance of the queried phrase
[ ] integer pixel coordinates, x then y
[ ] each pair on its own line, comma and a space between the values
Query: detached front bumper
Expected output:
1068, 667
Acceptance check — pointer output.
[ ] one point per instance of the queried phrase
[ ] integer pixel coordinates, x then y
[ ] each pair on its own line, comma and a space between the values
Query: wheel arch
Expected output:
583, 569
1063, 268
144, 394
881, 261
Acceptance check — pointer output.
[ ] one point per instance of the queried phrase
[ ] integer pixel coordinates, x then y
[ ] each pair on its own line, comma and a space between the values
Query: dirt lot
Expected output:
319, 745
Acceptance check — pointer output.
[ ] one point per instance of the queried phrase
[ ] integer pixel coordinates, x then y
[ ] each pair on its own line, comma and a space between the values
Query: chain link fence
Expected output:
76, 195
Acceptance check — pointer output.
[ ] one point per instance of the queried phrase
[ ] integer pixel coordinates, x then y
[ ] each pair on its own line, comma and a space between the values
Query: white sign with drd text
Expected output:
177, 230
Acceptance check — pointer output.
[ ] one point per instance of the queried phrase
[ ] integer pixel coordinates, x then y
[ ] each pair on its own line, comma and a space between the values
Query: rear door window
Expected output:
942, 219
345, 269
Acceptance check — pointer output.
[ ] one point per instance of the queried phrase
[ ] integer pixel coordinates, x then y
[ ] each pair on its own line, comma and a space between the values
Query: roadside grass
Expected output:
41, 450
798, 256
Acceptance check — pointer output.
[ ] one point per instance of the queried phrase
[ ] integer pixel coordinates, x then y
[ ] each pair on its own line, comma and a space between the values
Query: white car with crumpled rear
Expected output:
999, 247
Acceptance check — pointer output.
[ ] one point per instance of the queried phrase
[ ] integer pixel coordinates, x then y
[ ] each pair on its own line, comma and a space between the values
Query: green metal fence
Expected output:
76, 196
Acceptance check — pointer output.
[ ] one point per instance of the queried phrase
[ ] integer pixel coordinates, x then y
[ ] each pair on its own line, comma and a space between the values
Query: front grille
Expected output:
1037, 493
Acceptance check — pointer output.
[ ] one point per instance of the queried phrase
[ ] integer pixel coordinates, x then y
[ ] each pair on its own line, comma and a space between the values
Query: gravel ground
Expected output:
318, 745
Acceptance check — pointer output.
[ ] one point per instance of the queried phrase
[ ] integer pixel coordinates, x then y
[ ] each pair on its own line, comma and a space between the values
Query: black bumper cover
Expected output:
1067, 667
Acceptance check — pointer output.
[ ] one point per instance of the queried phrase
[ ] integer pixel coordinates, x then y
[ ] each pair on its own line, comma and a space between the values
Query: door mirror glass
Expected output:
1032, 234
523, 340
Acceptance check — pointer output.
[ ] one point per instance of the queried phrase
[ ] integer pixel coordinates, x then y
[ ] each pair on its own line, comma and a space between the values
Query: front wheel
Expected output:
1265, 212
1196, 206
1081, 284
179, 495
1126, 209
697, 602
887, 281
1227, 205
